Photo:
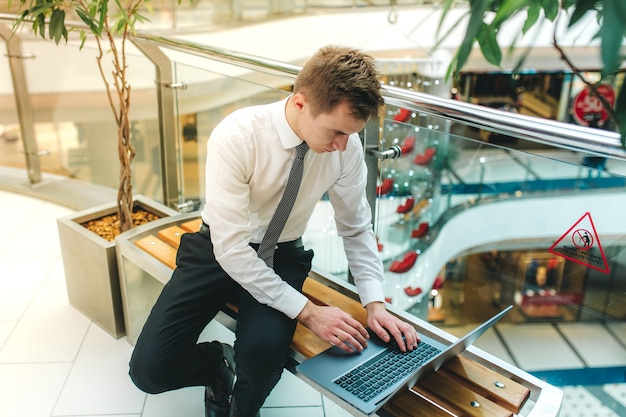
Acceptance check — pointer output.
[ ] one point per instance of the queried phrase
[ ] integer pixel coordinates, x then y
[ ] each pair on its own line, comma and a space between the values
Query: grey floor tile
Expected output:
578, 402
99, 381
188, 402
31, 389
538, 347
295, 411
595, 344
49, 331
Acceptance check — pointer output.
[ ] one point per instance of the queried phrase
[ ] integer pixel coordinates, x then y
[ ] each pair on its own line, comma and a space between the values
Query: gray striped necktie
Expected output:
274, 229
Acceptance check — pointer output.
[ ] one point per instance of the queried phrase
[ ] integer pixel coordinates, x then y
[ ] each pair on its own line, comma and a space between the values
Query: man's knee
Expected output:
267, 356
145, 376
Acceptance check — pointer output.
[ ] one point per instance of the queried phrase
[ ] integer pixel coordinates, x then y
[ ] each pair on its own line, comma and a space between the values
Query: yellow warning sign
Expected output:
581, 244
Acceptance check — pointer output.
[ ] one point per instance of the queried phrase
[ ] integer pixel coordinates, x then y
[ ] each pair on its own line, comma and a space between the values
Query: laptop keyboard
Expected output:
374, 376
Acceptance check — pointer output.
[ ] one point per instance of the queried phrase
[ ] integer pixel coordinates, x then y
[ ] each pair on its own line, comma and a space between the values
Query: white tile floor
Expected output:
54, 362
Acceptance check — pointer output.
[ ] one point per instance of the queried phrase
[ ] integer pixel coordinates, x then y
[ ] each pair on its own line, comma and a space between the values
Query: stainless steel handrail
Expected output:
549, 132
223, 55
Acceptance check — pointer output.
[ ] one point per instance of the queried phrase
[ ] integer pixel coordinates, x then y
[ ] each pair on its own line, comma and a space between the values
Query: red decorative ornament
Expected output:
406, 207
412, 292
385, 187
407, 146
421, 230
402, 116
426, 157
405, 264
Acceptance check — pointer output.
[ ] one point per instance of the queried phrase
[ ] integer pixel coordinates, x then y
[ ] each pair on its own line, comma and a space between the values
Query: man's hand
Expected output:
334, 326
386, 325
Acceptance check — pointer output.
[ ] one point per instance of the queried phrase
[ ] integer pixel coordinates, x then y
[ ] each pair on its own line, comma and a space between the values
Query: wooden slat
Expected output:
159, 249
171, 235
414, 404
324, 295
488, 383
444, 389
192, 226
306, 343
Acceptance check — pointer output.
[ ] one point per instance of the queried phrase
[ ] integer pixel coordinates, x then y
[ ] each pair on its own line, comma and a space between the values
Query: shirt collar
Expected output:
288, 137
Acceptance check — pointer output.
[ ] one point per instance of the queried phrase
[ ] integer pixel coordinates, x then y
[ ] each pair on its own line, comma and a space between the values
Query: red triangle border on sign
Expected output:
578, 261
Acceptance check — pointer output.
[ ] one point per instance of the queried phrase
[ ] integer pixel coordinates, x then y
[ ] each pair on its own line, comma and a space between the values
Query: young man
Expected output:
249, 157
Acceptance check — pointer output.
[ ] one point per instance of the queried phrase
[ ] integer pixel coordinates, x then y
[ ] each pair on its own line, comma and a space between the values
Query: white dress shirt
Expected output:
249, 155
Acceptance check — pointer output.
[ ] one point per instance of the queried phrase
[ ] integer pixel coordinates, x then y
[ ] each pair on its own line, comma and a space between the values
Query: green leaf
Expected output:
620, 112
446, 5
452, 28
507, 9
103, 11
88, 20
120, 26
56, 26
489, 44
533, 15
550, 8
612, 35
148, 5
478, 9
123, 20
40, 22
582, 7
141, 18
83, 38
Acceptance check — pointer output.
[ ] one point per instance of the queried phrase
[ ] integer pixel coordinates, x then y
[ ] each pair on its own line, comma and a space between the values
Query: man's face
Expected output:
328, 132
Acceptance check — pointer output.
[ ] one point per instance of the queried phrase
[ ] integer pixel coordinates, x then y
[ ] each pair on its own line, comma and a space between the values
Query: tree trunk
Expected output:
126, 155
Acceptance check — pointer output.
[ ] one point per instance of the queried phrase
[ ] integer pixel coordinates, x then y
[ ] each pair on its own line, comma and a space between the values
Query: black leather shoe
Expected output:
215, 409
235, 413
217, 397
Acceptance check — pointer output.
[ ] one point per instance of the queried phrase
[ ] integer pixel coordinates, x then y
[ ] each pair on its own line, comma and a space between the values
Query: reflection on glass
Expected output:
466, 226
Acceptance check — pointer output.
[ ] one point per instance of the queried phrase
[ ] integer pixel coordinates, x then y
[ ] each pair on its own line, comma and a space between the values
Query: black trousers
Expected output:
167, 355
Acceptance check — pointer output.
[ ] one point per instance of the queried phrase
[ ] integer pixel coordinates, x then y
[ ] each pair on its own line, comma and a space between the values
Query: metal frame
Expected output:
23, 104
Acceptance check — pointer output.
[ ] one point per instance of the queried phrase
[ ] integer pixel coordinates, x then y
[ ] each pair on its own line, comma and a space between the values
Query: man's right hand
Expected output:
334, 326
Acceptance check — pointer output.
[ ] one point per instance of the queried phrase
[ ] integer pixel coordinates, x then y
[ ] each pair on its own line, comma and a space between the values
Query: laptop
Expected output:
367, 379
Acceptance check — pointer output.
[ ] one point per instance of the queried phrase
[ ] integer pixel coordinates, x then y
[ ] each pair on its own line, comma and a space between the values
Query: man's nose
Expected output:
341, 143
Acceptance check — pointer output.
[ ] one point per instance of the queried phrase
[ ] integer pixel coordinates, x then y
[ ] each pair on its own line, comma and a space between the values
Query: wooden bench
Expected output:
463, 387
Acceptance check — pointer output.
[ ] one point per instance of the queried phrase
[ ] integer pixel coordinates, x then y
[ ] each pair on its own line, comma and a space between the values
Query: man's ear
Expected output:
299, 101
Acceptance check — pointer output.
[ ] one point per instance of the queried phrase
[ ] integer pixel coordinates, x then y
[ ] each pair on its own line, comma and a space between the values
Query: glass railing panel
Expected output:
11, 148
54, 104
211, 91
490, 225
74, 124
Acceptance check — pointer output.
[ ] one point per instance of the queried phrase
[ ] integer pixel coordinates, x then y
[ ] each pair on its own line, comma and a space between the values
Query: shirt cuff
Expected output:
370, 293
291, 302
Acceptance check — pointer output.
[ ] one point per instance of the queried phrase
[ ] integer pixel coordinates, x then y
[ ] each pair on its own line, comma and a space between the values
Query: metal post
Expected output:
23, 104
371, 144
170, 163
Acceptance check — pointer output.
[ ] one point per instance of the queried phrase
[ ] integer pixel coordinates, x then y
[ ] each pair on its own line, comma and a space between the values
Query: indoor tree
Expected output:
110, 24
487, 17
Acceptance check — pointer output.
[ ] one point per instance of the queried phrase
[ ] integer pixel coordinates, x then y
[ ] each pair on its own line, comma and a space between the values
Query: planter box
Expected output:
90, 264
